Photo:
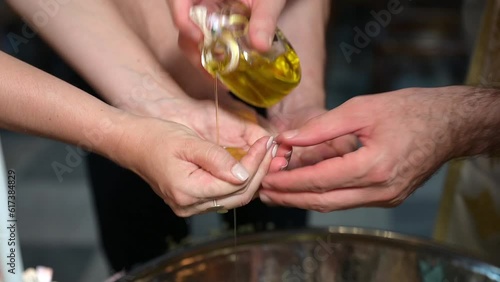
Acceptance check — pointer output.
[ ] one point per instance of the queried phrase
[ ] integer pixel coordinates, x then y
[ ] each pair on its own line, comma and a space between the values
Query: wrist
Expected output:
132, 86
475, 121
106, 135
124, 137
148, 92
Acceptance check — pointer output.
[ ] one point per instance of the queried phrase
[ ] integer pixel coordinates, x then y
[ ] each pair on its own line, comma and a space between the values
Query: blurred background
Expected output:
427, 45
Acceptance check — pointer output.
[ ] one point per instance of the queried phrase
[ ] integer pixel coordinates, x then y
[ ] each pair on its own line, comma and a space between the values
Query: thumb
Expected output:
217, 161
322, 128
180, 9
190, 49
263, 22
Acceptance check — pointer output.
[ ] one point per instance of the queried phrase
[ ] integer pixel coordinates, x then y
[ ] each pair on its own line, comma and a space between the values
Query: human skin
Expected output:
169, 156
304, 24
124, 49
263, 23
405, 136
127, 51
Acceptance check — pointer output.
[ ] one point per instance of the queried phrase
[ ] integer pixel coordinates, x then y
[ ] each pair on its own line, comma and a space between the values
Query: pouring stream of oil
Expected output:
217, 128
216, 93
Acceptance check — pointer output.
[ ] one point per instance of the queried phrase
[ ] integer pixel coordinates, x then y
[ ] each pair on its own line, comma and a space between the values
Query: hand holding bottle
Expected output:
262, 27
261, 79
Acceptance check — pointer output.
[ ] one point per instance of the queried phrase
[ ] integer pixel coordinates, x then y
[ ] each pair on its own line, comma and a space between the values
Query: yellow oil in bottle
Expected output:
258, 80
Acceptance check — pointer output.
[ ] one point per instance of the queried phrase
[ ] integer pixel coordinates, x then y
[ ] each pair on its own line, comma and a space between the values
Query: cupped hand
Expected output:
189, 173
404, 137
237, 125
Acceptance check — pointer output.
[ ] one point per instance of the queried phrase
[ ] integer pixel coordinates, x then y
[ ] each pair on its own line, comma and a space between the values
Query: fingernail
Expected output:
284, 166
275, 151
240, 172
264, 37
290, 134
270, 143
265, 199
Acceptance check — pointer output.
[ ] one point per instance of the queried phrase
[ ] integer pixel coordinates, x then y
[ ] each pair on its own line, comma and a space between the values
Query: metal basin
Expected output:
335, 254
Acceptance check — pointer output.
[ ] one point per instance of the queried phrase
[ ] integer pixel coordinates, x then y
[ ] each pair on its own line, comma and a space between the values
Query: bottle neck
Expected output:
220, 50
222, 56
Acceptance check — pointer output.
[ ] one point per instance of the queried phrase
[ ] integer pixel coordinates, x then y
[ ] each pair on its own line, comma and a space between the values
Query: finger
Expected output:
335, 123
214, 161
190, 49
284, 151
326, 202
311, 155
246, 195
180, 10
193, 54
282, 158
256, 181
242, 199
350, 170
220, 173
343, 145
278, 164
305, 156
263, 22
257, 153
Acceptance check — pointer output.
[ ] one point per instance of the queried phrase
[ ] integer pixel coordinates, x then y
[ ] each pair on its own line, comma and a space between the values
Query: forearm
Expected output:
36, 103
93, 37
304, 24
475, 121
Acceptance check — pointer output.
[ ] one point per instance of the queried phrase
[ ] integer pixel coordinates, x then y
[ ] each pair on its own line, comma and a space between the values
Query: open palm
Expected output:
238, 125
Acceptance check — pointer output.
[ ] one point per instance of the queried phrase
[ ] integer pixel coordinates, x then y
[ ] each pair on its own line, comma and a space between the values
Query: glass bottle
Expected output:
260, 79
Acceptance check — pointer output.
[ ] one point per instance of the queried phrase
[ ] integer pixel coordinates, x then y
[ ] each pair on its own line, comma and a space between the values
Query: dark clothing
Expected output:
135, 224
